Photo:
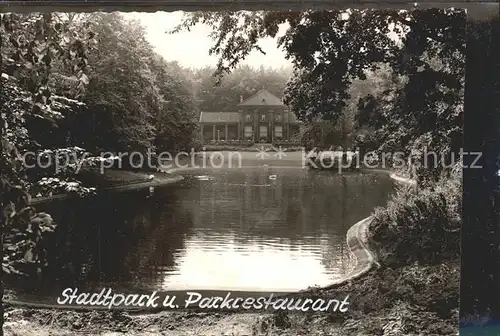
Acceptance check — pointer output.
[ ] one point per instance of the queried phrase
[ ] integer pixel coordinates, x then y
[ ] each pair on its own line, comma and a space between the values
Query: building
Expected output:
261, 118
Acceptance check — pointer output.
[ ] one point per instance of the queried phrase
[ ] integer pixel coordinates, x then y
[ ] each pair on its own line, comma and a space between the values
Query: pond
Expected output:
253, 229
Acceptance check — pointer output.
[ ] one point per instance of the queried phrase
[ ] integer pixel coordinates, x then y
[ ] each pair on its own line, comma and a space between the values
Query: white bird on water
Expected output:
203, 178
151, 192
266, 168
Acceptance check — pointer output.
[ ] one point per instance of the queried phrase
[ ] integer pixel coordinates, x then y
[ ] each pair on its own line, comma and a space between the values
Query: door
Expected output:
263, 132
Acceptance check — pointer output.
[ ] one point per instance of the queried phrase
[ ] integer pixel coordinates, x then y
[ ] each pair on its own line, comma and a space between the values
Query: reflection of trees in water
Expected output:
334, 255
72, 249
156, 254
363, 192
296, 209
123, 221
293, 206
126, 238
111, 239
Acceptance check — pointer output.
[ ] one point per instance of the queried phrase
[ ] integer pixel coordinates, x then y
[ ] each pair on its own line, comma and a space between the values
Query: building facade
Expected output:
261, 118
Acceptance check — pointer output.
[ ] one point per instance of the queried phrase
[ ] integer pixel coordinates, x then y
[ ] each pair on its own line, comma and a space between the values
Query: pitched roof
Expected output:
262, 98
220, 117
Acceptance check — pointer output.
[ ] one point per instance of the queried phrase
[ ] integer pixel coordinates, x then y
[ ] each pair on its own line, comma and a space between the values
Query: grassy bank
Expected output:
111, 180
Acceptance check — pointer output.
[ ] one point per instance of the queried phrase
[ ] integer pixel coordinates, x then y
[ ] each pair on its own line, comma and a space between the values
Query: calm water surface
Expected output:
233, 229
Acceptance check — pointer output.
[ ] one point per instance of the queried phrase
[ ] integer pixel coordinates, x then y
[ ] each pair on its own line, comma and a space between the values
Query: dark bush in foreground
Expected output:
421, 226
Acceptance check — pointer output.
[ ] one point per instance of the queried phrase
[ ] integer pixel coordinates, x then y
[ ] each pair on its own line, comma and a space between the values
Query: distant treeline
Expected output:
240, 83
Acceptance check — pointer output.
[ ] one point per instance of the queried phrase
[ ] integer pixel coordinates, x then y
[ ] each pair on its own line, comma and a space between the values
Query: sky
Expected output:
190, 49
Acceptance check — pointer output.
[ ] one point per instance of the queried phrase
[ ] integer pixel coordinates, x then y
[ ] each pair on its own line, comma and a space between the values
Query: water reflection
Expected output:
237, 230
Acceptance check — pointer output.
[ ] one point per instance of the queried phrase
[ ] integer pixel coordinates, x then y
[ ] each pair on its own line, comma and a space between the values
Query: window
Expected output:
262, 117
278, 131
249, 117
278, 117
248, 132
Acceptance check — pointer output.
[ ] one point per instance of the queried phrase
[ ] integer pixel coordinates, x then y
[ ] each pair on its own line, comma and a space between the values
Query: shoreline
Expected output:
358, 242
357, 239
157, 181
357, 236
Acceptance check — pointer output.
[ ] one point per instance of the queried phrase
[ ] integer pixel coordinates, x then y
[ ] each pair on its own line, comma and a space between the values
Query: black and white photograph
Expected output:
233, 172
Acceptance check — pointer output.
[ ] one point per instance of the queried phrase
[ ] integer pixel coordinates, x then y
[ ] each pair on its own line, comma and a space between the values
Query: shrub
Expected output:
421, 226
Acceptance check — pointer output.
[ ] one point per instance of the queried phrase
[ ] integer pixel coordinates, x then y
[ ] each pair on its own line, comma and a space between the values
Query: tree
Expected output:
29, 45
225, 95
121, 85
135, 100
331, 49
175, 117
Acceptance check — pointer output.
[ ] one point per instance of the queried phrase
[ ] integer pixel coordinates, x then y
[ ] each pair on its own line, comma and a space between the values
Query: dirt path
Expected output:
24, 322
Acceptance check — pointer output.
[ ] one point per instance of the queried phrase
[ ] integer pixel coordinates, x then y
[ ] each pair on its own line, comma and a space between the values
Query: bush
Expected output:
423, 226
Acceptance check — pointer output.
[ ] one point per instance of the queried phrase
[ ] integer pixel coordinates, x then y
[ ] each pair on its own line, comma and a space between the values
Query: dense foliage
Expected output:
134, 99
76, 85
223, 95
73, 86
30, 45
421, 227
390, 81
416, 56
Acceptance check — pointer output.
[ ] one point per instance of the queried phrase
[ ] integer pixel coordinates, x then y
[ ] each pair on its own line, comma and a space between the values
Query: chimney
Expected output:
241, 98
